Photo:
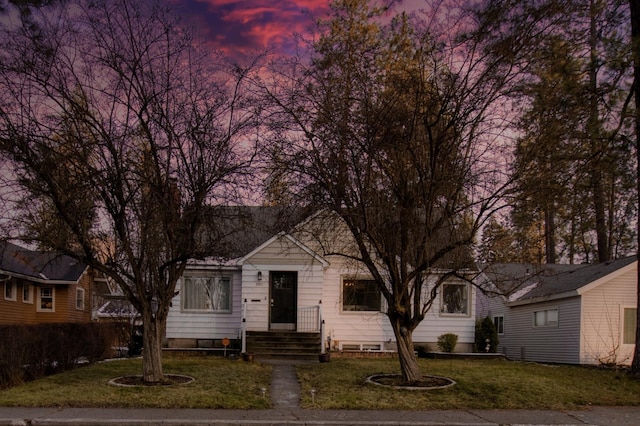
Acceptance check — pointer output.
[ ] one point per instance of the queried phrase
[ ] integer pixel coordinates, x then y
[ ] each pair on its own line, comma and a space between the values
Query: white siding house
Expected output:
286, 282
575, 314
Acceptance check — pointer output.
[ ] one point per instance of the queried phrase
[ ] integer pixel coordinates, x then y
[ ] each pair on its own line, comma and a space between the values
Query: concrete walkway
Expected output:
285, 394
285, 389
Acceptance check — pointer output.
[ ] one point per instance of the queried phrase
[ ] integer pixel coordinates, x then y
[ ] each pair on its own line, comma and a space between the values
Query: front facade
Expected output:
284, 284
41, 287
574, 314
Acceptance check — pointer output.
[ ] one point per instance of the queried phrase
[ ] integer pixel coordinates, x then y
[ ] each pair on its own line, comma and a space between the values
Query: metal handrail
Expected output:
309, 319
243, 327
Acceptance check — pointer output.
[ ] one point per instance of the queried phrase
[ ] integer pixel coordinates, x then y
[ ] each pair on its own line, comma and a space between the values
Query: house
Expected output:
575, 314
280, 279
42, 287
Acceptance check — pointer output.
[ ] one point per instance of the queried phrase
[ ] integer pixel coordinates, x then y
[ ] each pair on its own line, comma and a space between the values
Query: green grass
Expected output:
339, 384
219, 383
481, 384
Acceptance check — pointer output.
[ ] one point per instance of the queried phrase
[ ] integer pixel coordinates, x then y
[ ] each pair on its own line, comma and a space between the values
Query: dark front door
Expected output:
284, 286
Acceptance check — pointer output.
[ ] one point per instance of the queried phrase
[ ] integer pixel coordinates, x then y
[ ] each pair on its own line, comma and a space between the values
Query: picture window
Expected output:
360, 295
455, 299
206, 294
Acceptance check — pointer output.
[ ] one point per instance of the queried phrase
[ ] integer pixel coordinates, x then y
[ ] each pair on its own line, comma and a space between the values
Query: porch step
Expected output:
283, 345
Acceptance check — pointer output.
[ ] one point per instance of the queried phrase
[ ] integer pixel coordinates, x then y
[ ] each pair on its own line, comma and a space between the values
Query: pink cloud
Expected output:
241, 26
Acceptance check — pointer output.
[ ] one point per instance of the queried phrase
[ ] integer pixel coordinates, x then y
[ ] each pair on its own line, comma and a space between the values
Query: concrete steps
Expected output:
283, 345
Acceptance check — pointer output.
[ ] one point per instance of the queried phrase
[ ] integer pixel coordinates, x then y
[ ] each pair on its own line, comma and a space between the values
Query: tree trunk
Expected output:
593, 128
601, 222
153, 332
635, 37
549, 233
406, 354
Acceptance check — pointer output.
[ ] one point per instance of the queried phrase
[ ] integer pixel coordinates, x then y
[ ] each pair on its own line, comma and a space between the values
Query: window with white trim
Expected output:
360, 295
27, 293
629, 327
10, 291
206, 294
46, 299
80, 298
499, 323
546, 318
455, 299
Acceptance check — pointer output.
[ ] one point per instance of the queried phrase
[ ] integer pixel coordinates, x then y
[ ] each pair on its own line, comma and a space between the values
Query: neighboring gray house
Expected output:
575, 314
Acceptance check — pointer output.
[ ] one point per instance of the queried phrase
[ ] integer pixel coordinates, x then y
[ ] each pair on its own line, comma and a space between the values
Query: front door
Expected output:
284, 286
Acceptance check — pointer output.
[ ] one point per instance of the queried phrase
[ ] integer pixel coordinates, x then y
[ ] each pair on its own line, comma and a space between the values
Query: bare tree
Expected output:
121, 133
390, 127
635, 39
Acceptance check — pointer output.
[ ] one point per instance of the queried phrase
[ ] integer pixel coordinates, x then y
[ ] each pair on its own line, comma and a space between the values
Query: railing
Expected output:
243, 327
309, 319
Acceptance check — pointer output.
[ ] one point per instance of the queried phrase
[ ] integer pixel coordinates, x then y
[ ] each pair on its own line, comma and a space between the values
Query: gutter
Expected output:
40, 280
552, 297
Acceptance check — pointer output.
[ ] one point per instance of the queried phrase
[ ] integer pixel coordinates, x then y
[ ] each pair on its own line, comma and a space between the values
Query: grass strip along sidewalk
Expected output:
339, 384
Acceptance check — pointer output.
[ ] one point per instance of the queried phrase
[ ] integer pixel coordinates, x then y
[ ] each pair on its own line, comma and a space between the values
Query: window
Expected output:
360, 295
46, 299
27, 293
9, 291
629, 327
545, 318
455, 299
80, 299
211, 294
499, 323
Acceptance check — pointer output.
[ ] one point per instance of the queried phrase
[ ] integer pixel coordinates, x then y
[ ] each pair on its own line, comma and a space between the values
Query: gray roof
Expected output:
40, 265
522, 282
233, 232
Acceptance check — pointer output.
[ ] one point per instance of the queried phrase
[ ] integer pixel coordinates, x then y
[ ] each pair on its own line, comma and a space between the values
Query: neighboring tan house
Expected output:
574, 314
277, 280
42, 287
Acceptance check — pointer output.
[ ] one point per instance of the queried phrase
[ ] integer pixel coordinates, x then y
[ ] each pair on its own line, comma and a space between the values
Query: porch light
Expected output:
259, 275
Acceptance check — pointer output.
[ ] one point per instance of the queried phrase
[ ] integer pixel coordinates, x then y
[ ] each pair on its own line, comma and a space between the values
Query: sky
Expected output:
249, 26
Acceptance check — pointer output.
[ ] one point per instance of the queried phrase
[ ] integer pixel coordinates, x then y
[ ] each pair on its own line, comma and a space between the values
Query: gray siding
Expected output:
493, 306
556, 344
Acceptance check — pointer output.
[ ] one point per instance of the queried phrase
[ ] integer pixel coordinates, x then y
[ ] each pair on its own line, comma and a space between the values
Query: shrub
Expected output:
423, 351
28, 352
486, 330
447, 342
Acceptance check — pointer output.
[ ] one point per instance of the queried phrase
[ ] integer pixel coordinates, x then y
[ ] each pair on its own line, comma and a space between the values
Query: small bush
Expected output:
447, 342
486, 330
423, 351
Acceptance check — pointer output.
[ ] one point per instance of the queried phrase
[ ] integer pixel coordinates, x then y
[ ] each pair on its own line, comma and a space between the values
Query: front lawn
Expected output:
339, 384
219, 383
481, 384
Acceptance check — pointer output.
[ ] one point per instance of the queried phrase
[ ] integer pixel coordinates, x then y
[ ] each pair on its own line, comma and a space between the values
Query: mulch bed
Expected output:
169, 380
425, 383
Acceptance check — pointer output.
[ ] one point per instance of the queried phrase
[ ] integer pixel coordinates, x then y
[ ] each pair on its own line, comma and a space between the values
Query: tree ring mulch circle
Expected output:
136, 380
426, 383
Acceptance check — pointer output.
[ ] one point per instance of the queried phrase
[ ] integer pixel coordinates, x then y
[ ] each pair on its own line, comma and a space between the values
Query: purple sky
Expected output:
246, 26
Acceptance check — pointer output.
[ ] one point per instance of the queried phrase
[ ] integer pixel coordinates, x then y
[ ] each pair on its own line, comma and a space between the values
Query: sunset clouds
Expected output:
244, 26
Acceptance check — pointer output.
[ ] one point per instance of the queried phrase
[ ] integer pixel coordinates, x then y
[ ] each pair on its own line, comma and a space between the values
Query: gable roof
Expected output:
291, 239
39, 266
524, 284
235, 231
